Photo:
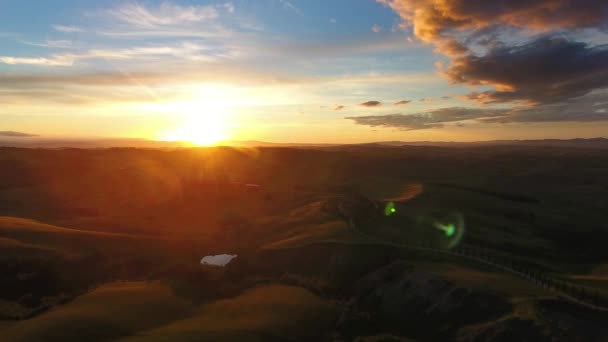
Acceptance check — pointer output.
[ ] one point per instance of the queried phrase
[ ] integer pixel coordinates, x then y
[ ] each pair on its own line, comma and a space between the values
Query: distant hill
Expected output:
88, 143
592, 142
41, 142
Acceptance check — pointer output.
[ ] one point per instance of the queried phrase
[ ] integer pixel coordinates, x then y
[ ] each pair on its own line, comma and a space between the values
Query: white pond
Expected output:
220, 260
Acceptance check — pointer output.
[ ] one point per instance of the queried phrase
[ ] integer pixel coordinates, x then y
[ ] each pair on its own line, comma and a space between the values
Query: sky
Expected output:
304, 71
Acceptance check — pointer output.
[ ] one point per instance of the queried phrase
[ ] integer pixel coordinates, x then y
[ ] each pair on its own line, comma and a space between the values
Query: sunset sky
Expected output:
304, 70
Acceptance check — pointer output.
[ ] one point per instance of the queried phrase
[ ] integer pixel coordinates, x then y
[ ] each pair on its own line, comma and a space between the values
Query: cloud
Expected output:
53, 44
402, 102
184, 51
137, 15
425, 120
67, 29
340, 107
437, 21
136, 20
54, 61
371, 104
216, 32
545, 70
13, 134
427, 100
589, 108
592, 107
346, 48
173, 29
289, 6
523, 50
148, 84
73, 95
376, 28
333, 20
197, 73
229, 7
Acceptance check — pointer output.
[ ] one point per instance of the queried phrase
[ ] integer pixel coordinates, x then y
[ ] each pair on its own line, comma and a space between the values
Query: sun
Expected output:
199, 128
201, 120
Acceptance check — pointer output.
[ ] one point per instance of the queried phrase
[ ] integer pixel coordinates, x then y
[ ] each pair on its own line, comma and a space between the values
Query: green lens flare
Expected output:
390, 209
448, 229
449, 224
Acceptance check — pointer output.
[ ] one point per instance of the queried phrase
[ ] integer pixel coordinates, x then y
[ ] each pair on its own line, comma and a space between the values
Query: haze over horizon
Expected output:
304, 71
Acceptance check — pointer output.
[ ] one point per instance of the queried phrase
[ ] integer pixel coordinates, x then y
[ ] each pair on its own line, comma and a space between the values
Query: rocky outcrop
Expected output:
418, 304
505, 330
352, 209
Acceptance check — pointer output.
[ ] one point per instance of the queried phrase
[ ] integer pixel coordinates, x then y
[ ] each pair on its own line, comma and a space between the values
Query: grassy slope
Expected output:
151, 311
29, 237
264, 312
108, 312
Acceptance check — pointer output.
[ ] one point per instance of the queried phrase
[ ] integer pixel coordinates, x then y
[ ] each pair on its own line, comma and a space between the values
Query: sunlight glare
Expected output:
203, 119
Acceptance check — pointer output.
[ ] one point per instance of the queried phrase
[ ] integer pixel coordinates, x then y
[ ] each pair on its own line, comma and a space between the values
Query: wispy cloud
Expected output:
402, 102
288, 5
345, 48
67, 29
13, 134
54, 61
136, 20
199, 74
198, 28
175, 80
137, 15
376, 28
218, 32
53, 44
185, 51
229, 7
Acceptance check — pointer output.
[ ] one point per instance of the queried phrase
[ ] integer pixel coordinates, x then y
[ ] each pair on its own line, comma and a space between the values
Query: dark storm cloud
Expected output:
13, 134
371, 104
402, 102
425, 120
548, 69
523, 50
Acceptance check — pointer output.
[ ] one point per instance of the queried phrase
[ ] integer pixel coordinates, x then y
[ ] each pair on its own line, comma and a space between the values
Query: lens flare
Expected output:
448, 229
449, 225
390, 209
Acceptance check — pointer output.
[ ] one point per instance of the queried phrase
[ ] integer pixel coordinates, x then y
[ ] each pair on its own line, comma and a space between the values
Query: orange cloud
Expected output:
520, 48
371, 104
